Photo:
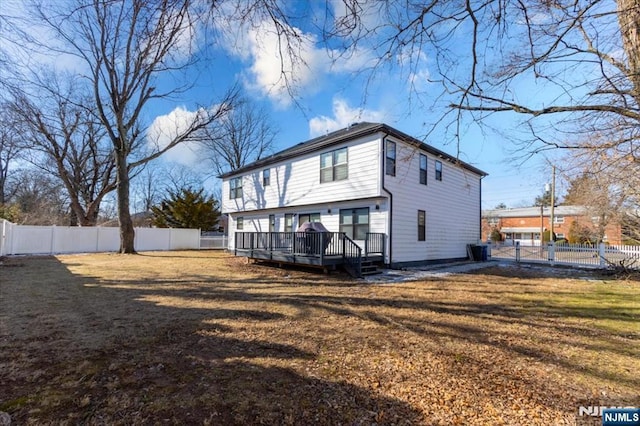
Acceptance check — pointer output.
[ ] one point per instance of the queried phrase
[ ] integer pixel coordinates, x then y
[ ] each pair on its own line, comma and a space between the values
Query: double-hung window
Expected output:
355, 223
390, 165
266, 177
235, 188
423, 169
240, 223
438, 170
422, 225
272, 223
288, 222
334, 166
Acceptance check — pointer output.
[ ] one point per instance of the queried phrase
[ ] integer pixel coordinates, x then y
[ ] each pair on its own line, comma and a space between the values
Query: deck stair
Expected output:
370, 267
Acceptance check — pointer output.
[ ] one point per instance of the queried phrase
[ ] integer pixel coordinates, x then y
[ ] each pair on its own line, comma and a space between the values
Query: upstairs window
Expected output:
266, 177
438, 170
423, 169
235, 188
390, 165
558, 219
355, 223
333, 165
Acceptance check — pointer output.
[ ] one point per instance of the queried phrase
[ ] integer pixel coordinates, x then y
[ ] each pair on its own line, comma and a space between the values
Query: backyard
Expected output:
201, 337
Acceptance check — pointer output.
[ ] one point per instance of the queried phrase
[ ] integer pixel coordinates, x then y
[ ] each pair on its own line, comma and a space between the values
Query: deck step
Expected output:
370, 268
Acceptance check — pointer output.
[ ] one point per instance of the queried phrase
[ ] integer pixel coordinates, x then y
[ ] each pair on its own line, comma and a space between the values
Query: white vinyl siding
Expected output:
297, 181
452, 209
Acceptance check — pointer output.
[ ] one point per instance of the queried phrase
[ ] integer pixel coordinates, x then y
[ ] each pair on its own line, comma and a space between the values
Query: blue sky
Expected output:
330, 93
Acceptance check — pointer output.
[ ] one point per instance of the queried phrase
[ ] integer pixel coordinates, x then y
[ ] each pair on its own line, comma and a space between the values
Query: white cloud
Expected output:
278, 65
165, 128
343, 115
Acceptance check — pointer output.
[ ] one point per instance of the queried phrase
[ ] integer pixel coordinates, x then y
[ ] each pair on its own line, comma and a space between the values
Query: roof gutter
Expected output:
382, 171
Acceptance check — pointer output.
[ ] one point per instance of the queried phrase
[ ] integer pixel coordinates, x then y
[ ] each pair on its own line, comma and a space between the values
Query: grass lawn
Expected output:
205, 338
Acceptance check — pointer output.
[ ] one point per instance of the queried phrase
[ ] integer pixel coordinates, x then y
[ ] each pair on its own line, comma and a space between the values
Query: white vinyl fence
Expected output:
25, 239
600, 256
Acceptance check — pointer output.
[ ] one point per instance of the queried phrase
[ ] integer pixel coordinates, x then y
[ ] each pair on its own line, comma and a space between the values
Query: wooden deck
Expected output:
327, 250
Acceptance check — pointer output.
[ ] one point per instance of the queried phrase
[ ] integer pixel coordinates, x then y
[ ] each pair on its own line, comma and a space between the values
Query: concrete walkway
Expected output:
429, 271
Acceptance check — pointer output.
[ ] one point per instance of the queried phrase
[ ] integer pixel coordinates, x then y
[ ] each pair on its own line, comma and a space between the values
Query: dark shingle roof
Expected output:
343, 135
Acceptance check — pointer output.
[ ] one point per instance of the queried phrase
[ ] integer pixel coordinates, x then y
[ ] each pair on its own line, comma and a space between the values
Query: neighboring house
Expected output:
385, 191
524, 224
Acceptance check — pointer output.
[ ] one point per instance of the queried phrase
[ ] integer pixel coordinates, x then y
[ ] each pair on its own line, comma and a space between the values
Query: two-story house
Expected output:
400, 201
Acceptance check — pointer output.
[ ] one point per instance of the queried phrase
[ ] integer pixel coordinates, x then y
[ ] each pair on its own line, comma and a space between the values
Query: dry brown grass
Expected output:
204, 338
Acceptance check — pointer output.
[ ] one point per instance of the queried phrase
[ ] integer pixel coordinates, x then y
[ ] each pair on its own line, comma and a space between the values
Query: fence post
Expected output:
601, 254
53, 238
551, 252
517, 251
3, 238
13, 231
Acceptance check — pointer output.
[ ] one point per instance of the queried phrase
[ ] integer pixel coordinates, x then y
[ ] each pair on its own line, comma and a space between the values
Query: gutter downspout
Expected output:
480, 196
382, 170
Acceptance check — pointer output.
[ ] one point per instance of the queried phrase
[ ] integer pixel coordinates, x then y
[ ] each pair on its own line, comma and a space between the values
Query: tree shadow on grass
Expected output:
79, 350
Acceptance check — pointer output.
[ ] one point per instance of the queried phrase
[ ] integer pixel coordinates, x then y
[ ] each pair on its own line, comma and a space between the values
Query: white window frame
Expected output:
235, 187
334, 165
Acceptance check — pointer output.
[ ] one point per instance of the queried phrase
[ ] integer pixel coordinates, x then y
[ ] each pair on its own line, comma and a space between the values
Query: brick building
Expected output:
524, 224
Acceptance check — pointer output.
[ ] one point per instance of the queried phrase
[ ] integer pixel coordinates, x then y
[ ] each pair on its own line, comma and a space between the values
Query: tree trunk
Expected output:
127, 233
629, 19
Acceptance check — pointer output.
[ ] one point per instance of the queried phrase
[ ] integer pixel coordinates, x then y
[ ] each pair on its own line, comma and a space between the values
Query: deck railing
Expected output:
301, 243
316, 244
310, 243
352, 256
374, 244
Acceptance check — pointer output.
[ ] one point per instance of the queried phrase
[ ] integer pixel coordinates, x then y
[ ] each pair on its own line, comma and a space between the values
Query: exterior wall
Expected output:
297, 182
452, 208
612, 231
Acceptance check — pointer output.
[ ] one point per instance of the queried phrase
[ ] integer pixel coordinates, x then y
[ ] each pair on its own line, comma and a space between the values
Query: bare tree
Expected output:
608, 187
155, 181
66, 140
245, 135
601, 197
125, 47
9, 153
40, 199
582, 57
